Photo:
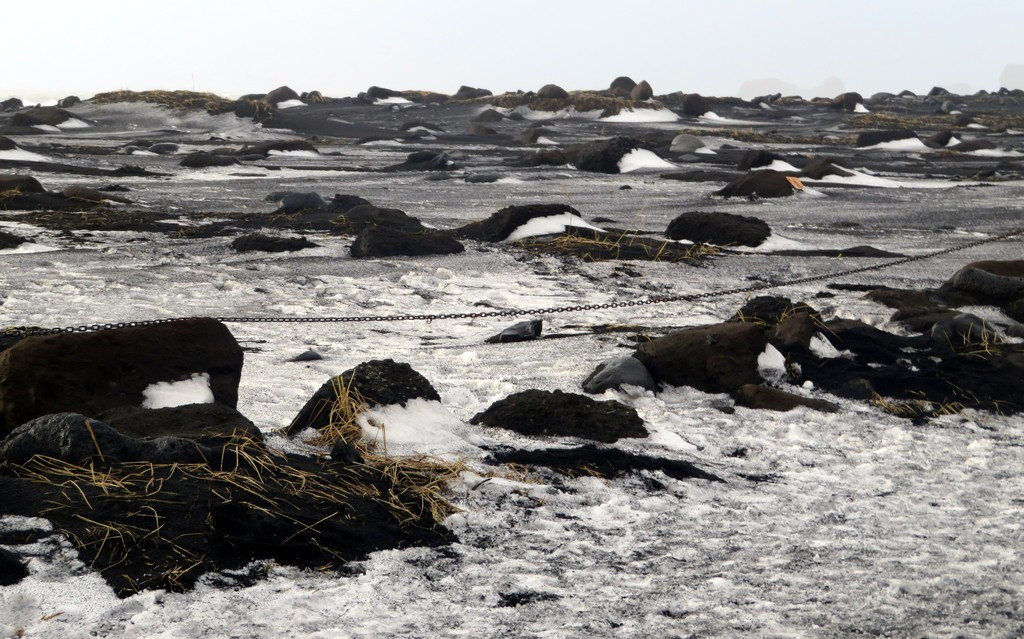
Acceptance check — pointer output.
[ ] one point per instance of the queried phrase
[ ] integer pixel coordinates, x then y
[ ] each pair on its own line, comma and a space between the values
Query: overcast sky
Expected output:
341, 47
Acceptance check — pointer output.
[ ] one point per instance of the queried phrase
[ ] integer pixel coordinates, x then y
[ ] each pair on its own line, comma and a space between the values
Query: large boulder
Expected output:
694, 105
617, 372
602, 156
871, 138
847, 101
12, 104
99, 370
298, 202
10, 240
552, 91
622, 86
41, 116
12, 569
357, 218
501, 224
641, 92
280, 94
381, 241
538, 413
488, 116
764, 183
208, 423
21, 183
270, 243
470, 93
75, 439
718, 358
377, 382
380, 93
7, 144
991, 282
719, 228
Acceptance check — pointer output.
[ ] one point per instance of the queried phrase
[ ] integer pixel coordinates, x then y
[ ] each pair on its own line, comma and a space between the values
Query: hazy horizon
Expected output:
340, 49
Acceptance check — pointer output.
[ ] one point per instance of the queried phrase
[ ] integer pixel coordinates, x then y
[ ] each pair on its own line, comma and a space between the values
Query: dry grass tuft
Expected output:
172, 99
598, 246
579, 100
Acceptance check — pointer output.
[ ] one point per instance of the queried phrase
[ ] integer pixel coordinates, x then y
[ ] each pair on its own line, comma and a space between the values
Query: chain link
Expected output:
29, 331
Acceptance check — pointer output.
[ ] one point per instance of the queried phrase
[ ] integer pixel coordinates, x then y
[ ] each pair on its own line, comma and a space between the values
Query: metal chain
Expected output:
23, 331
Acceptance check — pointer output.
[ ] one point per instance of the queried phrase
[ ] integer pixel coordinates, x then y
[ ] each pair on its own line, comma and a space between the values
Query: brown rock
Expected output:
715, 358
753, 396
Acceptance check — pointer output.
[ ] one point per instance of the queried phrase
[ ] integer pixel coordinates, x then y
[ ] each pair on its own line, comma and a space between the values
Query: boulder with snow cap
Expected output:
501, 224
375, 383
715, 358
538, 413
602, 156
99, 370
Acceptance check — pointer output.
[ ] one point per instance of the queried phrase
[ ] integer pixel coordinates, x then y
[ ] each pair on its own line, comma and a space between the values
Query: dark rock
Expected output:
378, 383
11, 104
346, 453
75, 438
298, 202
937, 91
9, 240
95, 371
622, 87
855, 388
1015, 310
163, 148
92, 195
770, 310
991, 282
552, 91
616, 372
847, 101
7, 144
793, 331
470, 93
538, 413
12, 568
280, 94
488, 116
382, 241
270, 243
694, 105
963, 332
819, 167
549, 157
476, 128
871, 138
358, 218
380, 93
723, 229
203, 159
501, 224
604, 462
210, 423
345, 203
963, 120
765, 183
530, 135
420, 124
763, 397
967, 146
68, 102
518, 332
264, 148
756, 159
20, 183
641, 92
307, 356
716, 358
36, 116
602, 156
424, 161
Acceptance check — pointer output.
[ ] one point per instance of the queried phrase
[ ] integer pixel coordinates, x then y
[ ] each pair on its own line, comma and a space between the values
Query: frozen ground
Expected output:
829, 525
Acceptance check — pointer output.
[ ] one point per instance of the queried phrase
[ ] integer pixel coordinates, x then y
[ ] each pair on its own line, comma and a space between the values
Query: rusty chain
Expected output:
23, 331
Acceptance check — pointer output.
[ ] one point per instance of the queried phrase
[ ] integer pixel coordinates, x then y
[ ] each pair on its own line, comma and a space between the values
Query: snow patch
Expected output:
421, 427
638, 116
638, 159
782, 166
289, 104
194, 390
907, 144
49, 128
771, 364
302, 153
395, 100
21, 155
73, 123
549, 225
860, 108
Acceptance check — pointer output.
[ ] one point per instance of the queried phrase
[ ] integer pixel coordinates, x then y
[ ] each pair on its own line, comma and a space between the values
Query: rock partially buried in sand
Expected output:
618, 372
270, 243
380, 241
602, 156
871, 138
41, 116
518, 332
755, 396
538, 413
501, 224
765, 183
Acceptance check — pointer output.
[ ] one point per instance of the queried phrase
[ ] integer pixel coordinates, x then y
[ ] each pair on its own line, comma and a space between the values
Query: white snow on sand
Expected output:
290, 104
996, 153
73, 123
781, 166
421, 427
21, 155
549, 225
49, 128
28, 247
194, 390
908, 145
635, 116
395, 100
639, 159
301, 153
860, 108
